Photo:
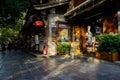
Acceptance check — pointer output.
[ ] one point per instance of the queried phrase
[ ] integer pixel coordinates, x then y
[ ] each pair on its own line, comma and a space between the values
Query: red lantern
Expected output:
38, 23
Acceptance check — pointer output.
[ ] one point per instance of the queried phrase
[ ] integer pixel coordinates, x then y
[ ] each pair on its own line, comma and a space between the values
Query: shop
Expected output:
89, 19
43, 33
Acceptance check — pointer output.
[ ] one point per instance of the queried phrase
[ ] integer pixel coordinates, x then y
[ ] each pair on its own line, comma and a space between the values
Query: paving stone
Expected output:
19, 65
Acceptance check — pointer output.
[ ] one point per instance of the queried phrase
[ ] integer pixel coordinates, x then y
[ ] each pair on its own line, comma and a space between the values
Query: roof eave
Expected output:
46, 6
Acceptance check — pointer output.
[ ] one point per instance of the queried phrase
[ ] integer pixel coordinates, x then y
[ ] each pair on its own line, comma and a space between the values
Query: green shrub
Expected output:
63, 48
108, 43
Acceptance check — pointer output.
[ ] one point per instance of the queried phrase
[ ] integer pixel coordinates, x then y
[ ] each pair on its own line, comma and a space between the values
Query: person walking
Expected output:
10, 46
3, 46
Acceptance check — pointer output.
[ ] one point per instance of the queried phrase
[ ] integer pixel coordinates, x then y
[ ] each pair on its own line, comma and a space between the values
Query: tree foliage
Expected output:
6, 33
12, 17
11, 9
14, 7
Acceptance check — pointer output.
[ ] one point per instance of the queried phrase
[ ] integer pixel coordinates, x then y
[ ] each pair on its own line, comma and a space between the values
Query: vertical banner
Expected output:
118, 21
36, 39
53, 29
37, 42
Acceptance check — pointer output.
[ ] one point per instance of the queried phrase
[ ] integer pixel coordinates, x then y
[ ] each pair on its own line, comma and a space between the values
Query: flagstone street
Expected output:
19, 65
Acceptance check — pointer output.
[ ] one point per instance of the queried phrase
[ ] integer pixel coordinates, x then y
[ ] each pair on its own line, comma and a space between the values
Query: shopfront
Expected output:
90, 19
43, 32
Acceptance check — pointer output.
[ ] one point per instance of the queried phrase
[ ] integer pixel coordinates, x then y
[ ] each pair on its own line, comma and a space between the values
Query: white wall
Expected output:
119, 22
52, 18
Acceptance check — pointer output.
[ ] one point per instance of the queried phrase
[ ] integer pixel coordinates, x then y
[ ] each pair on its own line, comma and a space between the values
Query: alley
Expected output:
19, 65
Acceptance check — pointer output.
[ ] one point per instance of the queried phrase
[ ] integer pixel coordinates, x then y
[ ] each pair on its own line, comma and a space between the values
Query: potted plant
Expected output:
108, 47
63, 48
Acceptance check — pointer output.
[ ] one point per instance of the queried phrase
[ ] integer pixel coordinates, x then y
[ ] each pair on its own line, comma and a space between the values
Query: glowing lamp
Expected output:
38, 24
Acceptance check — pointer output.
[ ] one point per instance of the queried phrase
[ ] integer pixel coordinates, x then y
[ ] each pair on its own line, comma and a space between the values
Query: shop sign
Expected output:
62, 26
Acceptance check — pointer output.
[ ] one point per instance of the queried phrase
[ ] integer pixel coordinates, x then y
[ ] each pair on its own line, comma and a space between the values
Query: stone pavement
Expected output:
19, 65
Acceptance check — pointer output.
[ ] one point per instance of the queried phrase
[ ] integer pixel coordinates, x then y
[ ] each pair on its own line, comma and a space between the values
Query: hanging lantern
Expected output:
38, 23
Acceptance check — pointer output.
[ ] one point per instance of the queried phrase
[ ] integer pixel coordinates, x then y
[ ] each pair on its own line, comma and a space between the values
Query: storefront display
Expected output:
63, 33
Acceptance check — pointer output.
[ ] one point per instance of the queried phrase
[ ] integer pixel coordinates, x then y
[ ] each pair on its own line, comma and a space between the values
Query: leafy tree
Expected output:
8, 33
11, 9
11, 30
12, 16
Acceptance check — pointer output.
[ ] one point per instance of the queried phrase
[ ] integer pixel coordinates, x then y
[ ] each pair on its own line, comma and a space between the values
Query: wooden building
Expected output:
48, 14
91, 17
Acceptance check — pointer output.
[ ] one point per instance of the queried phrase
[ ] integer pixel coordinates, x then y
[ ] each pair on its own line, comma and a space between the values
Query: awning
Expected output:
76, 8
49, 5
86, 6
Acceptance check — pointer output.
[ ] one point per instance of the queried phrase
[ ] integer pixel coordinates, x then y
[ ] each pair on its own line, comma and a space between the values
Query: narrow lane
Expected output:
18, 65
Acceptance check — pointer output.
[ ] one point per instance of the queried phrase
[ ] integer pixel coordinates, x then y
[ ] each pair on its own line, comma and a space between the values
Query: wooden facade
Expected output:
90, 13
49, 11
77, 2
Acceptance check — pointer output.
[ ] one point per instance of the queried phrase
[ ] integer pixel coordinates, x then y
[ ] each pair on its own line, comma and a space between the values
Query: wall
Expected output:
118, 13
110, 24
77, 2
52, 18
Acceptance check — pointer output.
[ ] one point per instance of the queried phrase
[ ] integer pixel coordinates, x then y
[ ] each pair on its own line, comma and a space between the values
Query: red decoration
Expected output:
38, 23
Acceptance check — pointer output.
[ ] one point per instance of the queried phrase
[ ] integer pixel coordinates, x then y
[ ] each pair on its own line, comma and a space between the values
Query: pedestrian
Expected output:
3, 46
15, 45
44, 44
10, 46
45, 50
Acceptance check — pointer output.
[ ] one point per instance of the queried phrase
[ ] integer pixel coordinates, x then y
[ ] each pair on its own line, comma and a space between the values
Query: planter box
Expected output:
109, 57
114, 57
